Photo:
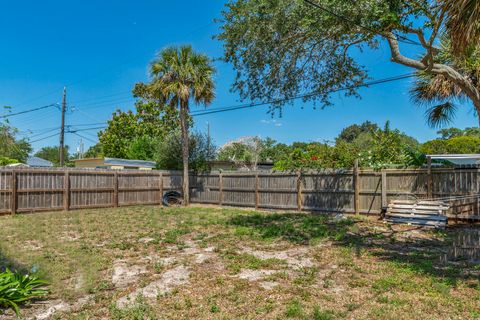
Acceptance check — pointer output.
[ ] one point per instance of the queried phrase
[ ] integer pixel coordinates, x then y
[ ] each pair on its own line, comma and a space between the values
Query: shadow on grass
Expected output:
429, 255
408, 249
298, 228
7, 263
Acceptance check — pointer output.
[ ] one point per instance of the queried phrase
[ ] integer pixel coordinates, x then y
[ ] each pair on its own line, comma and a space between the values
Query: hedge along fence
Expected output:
347, 191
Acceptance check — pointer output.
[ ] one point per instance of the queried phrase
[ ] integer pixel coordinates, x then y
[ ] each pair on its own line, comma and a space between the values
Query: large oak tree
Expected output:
285, 48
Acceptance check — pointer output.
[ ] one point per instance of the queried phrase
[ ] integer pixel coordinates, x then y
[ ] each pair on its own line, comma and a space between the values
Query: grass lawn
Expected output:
210, 263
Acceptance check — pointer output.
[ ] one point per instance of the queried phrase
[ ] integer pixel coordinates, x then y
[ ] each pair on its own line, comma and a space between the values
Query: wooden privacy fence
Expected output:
348, 191
30, 190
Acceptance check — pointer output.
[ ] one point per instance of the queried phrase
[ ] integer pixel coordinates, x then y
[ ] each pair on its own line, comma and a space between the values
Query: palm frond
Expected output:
462, 23
440, 115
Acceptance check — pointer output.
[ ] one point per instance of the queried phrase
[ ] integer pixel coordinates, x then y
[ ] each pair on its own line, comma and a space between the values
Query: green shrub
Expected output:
16, 289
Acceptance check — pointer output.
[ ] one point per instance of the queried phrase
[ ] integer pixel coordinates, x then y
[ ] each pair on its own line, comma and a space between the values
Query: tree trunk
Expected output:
185, 152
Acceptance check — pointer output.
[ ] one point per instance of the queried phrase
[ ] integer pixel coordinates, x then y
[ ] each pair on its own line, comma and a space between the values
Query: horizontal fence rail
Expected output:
342, 191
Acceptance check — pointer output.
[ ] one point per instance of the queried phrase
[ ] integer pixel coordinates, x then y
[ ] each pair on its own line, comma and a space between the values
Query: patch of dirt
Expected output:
295, 258
51, 308
268, 285
46, 310
70, 236
169, 281
146, 240
32, 245
254, 275
125, 274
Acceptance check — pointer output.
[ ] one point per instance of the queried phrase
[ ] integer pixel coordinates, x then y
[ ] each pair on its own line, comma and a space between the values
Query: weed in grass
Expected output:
294, 309
237, 261
307, 276
140, 311
352, 306
319, 314
386, 284
214, 308
171, 236
158, 267
188, 303
293, 227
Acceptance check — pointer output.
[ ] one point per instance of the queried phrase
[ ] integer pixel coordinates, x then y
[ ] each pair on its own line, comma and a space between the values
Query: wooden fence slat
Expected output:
13, 195
115, 189
66, 191
257, 194
356, 187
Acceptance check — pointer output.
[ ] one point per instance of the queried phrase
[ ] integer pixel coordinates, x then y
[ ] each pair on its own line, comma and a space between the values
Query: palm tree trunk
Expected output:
185, 152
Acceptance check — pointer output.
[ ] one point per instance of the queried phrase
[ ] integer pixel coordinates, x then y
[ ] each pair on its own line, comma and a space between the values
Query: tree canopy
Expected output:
10, 146
296, 48
52, 154
152, 120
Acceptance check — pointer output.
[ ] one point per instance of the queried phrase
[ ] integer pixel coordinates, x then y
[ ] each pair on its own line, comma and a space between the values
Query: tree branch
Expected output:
435, 68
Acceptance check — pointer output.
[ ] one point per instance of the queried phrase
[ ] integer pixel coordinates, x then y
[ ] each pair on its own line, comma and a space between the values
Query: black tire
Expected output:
172, 198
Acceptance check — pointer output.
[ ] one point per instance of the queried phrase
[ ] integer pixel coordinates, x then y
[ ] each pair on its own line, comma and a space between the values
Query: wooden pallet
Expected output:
421, 213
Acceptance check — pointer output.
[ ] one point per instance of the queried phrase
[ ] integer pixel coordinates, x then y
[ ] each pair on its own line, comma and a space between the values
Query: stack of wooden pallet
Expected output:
422, 213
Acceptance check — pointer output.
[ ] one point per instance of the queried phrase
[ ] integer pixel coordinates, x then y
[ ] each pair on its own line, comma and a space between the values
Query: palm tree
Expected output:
180, 75
462, 23
439, 94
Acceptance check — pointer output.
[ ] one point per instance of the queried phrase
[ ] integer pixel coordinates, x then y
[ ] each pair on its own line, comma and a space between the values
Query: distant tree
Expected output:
152, 120
374, 147
168, 153
10, 146
52, 154
6, 161
461, 145
352, 132
179, 76
248, 151
449, 133
95, 151
142, 148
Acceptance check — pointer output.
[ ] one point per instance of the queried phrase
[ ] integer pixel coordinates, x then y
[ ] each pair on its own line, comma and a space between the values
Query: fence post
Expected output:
429, 178
356, 188
115, 189
257, 195
299, 191
13, 194
161, 188
66, 191
384, 189
220, 186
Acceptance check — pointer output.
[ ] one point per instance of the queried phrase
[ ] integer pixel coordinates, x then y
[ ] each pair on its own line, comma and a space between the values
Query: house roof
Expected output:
38, 162
121, 162
129, 163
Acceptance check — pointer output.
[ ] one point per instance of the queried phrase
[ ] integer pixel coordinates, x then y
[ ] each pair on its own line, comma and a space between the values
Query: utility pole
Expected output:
62, 128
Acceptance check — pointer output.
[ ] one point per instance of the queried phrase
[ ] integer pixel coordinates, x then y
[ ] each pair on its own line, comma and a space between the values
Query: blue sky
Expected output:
100, 49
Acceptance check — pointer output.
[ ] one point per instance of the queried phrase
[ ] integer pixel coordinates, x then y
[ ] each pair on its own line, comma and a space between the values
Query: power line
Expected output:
244, 106
27, 111
251, 105
88, 139
44, 138
88, 129
128, 59
403, 39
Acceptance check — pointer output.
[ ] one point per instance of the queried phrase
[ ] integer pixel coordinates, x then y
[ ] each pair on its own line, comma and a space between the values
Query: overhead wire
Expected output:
308, 95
